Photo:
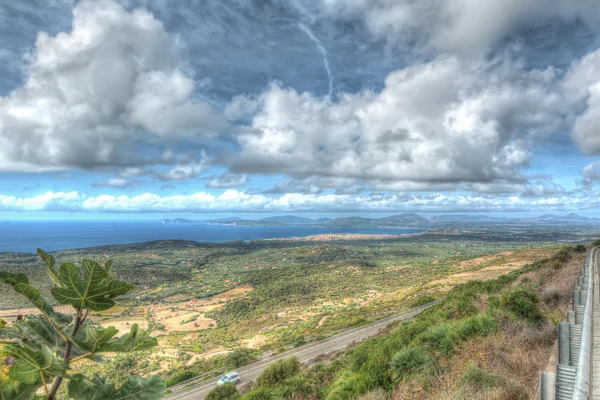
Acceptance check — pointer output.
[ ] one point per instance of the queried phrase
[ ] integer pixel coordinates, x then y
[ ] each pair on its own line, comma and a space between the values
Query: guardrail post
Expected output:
547, 386
575, 299
571, 317
564, 343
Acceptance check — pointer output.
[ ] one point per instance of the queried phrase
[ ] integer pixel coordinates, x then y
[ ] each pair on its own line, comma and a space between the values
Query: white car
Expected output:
232, 377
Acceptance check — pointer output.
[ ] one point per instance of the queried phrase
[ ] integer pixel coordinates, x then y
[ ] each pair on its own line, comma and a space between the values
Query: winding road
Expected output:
197, 389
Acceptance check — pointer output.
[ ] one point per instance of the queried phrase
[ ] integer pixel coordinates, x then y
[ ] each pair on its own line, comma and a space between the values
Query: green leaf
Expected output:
13, 279
49, 261
21, 285
95, 291
137, 339
135, 388
39, 331
34, 296
92, 339
108, 267
31, 364
17, 391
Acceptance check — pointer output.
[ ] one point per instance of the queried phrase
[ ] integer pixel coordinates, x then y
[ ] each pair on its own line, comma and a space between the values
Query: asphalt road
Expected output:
304, 353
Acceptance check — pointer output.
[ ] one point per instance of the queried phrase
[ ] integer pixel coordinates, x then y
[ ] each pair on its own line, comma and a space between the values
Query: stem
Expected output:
58, 380
80, 357
87, 311
44, 383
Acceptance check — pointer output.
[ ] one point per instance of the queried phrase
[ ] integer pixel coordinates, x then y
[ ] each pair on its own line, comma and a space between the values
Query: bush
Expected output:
439, 338
180, 377
239, 358
226, 391
596, 243
408, 361
479, 325
260, 394
279, 371
522, 303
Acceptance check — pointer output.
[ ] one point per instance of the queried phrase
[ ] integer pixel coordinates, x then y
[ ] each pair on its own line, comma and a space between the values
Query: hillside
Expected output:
487, 340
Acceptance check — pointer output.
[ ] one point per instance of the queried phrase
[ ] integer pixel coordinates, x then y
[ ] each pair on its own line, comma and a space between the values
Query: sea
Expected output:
26, 236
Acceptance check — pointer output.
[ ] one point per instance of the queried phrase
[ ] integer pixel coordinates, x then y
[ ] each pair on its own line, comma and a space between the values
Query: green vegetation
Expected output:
278, 372
417, 353
215, 307
226, 391
40, 350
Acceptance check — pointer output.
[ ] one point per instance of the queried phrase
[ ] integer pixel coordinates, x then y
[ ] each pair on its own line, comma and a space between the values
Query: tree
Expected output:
42, 348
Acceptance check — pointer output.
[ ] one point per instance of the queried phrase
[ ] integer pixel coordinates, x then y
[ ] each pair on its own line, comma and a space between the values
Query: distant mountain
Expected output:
400, 220
288, 220
556, 219
403, 219
177, 221
458, 218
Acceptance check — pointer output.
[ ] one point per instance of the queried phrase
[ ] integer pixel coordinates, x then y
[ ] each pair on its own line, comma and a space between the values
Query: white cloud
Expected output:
233, 200
445, 121
591, 174
457, 26
115, 78
582, 85
227, 181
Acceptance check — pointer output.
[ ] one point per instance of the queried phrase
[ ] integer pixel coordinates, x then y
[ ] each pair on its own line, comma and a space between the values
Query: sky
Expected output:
137, 108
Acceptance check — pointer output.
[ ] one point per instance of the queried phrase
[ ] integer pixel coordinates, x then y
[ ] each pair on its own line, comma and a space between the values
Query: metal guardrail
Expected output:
573, 377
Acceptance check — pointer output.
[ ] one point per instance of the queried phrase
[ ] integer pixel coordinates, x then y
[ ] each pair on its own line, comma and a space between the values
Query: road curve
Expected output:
249, 373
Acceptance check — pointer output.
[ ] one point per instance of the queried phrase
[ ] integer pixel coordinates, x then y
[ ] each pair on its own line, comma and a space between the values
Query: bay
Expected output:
26, 236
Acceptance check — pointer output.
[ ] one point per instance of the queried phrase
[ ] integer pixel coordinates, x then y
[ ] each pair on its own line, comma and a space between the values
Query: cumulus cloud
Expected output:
591, 175
444, 121
293, 186
458, 26
116, 78
582, 85
233, 200
227, 181
117, 182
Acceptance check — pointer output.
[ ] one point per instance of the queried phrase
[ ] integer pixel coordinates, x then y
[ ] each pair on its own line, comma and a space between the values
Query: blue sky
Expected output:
138, 108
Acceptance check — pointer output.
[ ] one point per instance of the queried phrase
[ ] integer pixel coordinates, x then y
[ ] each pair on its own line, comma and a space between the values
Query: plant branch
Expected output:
80, 358
68, 347
87, 311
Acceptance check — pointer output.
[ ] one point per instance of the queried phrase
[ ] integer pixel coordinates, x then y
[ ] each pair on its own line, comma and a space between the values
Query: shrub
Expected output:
408, 361
240, 357
226, 391
180, 377
522, 303
596, 243
279, 371
439, 338
260, 394
479, 325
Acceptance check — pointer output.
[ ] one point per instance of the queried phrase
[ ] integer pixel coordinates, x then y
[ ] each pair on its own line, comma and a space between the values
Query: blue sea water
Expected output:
26, 236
